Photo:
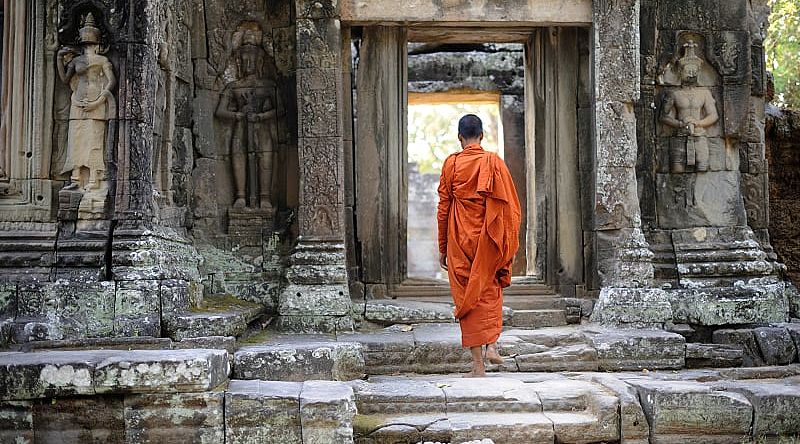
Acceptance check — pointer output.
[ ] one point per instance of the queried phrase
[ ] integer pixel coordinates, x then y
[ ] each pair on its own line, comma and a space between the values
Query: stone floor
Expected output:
397, 381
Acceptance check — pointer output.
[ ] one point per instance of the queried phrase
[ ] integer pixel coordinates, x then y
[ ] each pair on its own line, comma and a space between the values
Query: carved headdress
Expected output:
690, 57
89, 33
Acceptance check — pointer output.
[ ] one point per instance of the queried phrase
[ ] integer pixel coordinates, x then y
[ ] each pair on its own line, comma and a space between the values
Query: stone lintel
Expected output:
538, 12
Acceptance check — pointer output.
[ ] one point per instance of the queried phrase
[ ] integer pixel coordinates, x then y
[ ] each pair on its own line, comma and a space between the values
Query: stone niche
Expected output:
244, 177
700, 164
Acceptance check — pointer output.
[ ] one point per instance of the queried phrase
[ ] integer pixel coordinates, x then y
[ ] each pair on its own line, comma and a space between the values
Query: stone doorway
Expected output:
542, 109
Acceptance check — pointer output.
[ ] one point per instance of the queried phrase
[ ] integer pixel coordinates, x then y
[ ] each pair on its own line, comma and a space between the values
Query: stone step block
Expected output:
775, 405
326, 412
385, 352
581, 411
634, 428
492, 395
300, 361
693, 412
88, 372
776, 345
399, 311
398, 396
263, 411
502, 428
713, 355
539, 318
220, 316
543, 302
174, 417
579, 357
637, 349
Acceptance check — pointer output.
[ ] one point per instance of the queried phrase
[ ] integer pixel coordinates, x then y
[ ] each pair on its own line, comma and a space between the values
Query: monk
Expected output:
478, 216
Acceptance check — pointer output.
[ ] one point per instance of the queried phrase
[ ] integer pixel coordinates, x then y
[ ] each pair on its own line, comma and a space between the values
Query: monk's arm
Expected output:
443, 211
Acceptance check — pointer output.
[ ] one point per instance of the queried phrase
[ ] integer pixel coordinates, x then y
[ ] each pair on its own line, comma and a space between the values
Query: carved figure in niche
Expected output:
91, 78
690, 109
249, 104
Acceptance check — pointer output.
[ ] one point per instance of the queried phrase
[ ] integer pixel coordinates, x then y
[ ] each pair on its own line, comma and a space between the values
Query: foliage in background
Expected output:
433, 132
783, 51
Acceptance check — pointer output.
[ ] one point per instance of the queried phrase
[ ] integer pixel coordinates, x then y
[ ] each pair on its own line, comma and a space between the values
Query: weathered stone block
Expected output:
137, 308
143, 371
632, 306
633, 423
390, 312
36, 375
775, 406
713, 355
300, 362
728, 306
496, 395
326, 412
397, 396
743, 338
620, 349
680, 411
82, 419
262, 411
174, 418
579, 357
776, 345
16, 421
501, 427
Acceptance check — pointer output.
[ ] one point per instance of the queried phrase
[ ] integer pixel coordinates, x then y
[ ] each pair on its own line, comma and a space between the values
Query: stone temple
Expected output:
210, 230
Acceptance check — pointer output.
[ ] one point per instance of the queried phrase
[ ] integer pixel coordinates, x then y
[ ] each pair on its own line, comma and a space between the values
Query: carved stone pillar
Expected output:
317, 297
622, 255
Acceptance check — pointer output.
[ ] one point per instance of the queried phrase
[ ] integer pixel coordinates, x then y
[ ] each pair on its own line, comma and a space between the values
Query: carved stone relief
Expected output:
90, 76
697, 181
248, 104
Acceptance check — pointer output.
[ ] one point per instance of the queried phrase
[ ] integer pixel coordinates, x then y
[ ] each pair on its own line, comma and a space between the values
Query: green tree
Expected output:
783, 51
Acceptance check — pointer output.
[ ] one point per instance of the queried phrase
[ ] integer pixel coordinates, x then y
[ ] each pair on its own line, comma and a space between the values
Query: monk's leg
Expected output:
492, 355
478, 368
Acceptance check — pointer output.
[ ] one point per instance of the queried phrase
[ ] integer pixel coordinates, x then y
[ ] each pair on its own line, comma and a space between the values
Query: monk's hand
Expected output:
443, 260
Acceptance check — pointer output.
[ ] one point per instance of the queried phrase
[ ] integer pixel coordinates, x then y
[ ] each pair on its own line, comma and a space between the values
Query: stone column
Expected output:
317, 297
622, 255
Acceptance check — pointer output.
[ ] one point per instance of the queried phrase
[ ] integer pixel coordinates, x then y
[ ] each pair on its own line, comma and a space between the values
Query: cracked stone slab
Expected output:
263, 411
634, 428
300, 362
581, 411
692, 412
386, 429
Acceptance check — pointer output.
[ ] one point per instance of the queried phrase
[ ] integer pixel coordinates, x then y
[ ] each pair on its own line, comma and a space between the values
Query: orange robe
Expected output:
478, 216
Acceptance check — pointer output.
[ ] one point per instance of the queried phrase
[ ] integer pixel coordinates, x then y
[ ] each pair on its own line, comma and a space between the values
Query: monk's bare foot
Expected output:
493, 356
476, 374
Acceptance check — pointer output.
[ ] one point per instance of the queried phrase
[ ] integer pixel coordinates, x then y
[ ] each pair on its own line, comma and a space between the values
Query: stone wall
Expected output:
783, 154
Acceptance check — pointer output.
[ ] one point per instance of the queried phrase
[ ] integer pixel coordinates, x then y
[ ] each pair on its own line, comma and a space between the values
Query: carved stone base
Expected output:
753, 303
249, 228
632, 307
317, 298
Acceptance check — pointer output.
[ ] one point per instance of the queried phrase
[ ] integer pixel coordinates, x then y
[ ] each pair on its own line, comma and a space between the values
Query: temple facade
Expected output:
156, 154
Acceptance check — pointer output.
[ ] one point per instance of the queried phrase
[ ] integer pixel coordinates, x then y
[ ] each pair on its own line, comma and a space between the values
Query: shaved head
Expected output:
470, 127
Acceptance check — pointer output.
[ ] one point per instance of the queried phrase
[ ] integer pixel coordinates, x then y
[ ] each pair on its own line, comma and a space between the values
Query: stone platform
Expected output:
186, 396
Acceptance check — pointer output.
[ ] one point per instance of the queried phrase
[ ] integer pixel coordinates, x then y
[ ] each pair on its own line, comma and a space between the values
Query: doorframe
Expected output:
555, 254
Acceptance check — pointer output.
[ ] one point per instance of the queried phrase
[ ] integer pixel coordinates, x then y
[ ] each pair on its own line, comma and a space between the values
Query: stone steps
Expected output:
221, 315
436, 349
519, 312
144, 396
